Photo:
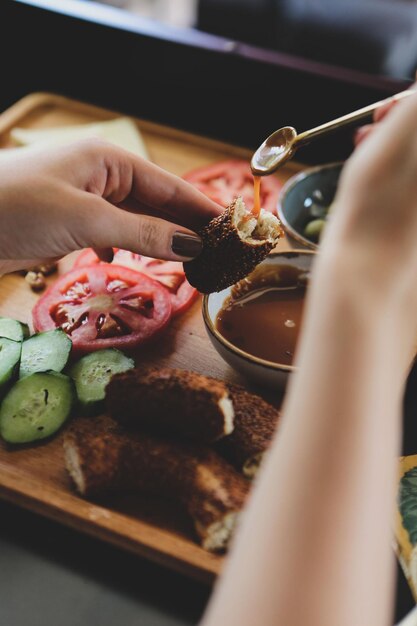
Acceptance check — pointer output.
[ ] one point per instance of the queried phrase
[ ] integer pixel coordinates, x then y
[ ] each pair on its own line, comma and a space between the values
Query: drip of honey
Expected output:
256, 196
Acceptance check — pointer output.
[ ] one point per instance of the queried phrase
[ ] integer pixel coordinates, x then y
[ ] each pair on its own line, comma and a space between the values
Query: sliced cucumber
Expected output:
93, 372
12, 329
9, 359
36, 407
44, 352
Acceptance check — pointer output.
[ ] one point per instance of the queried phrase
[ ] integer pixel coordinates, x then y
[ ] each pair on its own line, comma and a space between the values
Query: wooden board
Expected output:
35, 477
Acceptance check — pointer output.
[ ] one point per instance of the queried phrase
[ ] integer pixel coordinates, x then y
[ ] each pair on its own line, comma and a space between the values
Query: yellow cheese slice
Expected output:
122, 132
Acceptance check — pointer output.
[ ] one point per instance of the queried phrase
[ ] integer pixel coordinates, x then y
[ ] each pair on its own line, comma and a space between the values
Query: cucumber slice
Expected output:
36, 407
44, 352
9, 359
12, 329
93, 372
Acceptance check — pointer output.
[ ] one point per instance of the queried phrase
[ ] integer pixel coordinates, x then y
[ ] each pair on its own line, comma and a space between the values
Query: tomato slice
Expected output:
104, 306
224, 181
169, 273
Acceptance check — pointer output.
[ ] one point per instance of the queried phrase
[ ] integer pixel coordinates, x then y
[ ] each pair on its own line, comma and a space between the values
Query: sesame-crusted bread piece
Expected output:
102, 458
255, 425
171, 402
233, 245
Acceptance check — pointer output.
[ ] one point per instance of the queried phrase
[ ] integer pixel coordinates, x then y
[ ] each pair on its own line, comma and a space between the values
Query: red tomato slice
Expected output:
104, 306
224, 181
169, 273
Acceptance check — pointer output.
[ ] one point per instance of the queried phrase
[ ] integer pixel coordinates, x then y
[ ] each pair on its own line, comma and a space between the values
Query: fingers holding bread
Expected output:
234, 243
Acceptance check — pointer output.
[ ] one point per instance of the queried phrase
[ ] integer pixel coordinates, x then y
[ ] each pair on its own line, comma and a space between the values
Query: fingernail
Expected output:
186, 245
106, 255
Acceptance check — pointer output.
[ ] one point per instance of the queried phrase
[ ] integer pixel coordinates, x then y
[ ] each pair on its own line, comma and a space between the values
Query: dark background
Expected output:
199, 82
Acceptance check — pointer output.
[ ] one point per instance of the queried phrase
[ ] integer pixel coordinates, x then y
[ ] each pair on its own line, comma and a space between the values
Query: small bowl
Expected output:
266, 373
292, 208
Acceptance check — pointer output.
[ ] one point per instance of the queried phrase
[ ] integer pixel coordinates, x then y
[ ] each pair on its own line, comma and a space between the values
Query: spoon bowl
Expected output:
275, 151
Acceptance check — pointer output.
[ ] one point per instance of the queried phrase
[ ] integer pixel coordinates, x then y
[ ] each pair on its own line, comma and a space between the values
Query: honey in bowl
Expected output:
263, 314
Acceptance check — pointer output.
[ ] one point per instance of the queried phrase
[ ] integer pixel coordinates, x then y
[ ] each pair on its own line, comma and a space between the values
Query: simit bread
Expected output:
171, 402
255, 426
233, 244
101, 458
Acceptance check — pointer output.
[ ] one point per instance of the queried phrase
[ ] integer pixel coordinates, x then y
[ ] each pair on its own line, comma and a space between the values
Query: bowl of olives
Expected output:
305, 202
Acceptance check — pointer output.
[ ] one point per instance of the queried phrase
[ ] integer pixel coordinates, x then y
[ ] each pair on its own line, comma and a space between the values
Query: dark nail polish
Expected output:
186, 245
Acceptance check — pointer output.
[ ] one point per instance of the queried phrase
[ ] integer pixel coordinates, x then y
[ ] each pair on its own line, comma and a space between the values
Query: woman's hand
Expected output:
93, 194
364, 131
373, 229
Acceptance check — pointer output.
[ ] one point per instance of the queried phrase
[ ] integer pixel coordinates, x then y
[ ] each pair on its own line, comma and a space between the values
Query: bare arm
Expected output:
315, 546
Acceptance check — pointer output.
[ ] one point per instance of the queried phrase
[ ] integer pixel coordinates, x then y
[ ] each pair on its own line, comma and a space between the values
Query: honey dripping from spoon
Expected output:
256, 209
256, 196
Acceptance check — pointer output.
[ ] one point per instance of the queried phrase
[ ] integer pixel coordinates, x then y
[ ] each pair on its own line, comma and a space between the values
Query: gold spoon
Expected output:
283, 143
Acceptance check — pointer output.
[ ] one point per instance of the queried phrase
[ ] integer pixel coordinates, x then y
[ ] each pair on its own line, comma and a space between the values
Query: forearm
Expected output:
315, 545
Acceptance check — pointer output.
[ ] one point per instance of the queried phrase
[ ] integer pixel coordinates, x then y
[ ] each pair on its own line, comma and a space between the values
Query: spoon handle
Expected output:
304, 138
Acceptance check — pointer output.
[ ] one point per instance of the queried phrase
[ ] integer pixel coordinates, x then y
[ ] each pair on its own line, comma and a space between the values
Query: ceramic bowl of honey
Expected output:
254, 325
305, 202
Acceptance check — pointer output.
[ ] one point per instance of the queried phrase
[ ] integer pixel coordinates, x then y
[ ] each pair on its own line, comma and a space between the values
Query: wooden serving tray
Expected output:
34, 477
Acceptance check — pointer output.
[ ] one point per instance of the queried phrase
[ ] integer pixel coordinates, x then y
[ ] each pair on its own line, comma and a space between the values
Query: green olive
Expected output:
318, 211
314, 229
